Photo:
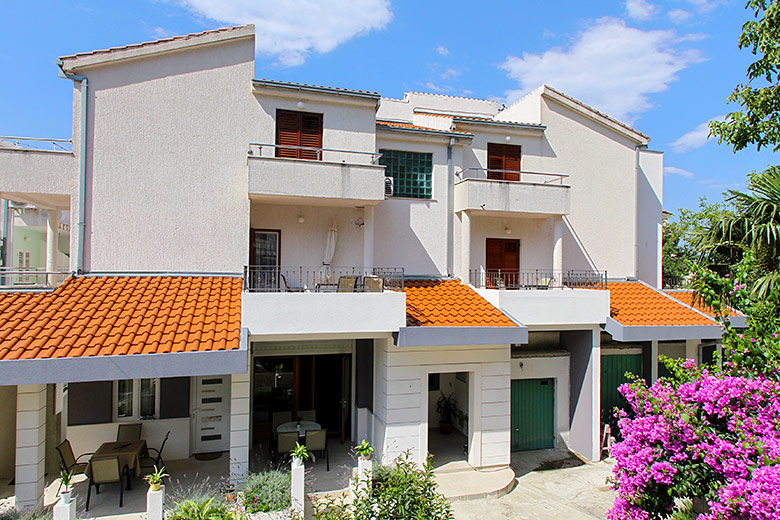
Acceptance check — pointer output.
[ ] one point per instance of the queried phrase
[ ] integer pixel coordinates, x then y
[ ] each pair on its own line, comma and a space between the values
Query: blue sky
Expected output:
666, 67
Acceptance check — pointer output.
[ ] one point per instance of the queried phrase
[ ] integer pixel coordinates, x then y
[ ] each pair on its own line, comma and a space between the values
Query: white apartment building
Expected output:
241, 247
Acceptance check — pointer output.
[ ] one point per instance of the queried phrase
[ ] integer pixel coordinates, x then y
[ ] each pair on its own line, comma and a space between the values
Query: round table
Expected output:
292, 426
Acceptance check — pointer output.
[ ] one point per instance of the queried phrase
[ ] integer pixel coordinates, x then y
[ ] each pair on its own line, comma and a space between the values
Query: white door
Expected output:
211, 414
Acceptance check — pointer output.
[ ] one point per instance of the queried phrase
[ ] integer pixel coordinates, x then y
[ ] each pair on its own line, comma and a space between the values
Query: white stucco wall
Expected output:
402, 406
650, 179
555, 367
88, 438
167, 141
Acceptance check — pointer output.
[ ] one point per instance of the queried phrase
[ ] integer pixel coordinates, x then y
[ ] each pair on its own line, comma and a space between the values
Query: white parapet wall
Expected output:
565, 307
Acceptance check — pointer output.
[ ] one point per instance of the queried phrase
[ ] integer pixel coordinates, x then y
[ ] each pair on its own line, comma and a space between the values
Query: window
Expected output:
135, 399
412, 173
298, 129
503, 162
24, 264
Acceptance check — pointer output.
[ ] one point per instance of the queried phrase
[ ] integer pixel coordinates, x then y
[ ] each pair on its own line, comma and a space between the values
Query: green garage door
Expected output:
533, 414
613, 370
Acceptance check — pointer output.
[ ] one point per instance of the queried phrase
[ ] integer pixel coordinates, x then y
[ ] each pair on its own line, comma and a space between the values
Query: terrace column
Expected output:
52, 238
465, 246
368, 237
30, 445
240, 422
653, 361
557, 260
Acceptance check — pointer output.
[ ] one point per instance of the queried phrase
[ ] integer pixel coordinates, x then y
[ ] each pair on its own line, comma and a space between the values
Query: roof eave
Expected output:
630, 333
454, 336
437, 133
315, 89
502, 124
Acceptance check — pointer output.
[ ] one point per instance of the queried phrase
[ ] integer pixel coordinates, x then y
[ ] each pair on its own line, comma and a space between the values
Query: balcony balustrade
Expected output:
323, 279
537, 279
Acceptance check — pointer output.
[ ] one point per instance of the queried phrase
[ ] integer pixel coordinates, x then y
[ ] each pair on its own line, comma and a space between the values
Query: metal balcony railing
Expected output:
524, 176
322, 279
537, 279
316, 154
30, 278
36, 143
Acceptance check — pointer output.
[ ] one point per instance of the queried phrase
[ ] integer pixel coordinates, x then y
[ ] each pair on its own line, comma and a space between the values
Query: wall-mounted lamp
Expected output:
300, 105
508, 138
358, 223
508, 230
301, 220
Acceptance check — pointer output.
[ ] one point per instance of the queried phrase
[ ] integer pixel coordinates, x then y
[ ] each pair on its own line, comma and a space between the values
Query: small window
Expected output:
136, 399
503, 162
302, 131
412, 173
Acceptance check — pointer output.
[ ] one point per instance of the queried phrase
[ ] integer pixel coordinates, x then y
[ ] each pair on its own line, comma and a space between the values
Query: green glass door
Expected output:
613, 370
533, 414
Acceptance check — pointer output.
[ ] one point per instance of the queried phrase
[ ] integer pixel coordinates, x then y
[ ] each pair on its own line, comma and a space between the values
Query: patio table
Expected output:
292, 426
128, 452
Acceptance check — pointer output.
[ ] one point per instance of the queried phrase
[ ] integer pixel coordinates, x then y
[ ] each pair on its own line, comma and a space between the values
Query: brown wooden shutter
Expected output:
288, 126
503, 157
511, 162
495, 161
311, 135
494, 257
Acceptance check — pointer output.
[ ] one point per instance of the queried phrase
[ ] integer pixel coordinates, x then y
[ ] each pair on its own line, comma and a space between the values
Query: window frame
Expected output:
136, 404
397, 183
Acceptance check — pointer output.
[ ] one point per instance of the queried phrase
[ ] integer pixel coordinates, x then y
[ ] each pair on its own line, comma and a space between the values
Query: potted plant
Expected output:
299, 454
364, 450
447, 408
65, 478
155, 478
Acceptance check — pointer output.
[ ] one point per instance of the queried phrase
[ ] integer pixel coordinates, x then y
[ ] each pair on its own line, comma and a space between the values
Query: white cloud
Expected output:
696, 138
640, 9
678, 15
435, 88
673, 170
159, 32
705, 6
450, 73
292, 30
441, 49
610, 66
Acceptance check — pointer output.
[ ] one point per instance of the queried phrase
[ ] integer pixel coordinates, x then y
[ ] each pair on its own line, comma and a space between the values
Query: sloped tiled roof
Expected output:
119, 315
410, 126
636, 304
449, 303
689, 298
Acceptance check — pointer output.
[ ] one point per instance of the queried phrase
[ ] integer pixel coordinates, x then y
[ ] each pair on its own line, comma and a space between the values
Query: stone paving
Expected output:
577, 493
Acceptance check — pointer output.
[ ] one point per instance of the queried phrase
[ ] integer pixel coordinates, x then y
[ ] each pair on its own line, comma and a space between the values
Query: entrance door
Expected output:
211, 415
533, 414
265, 255
613, 374
502, 263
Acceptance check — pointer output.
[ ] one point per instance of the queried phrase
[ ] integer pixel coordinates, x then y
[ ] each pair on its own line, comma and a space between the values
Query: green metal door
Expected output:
533, 414
613, 370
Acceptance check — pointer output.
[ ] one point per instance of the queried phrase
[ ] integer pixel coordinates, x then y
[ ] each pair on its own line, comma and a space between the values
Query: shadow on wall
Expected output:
575, 256
391, 248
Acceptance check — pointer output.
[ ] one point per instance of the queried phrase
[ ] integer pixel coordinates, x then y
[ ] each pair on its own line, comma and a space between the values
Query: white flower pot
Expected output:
65, 496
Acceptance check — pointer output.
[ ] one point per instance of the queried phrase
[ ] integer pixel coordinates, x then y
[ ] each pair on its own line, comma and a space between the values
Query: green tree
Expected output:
682, 235
758, 123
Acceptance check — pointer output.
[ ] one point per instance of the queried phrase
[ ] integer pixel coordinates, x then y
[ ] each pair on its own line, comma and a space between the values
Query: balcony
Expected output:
30, 278
37, 171
335, 177
338, 302
535, 193
546, 298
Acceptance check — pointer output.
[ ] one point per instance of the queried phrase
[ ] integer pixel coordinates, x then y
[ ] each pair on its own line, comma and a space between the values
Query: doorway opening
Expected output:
313, 388
448, 417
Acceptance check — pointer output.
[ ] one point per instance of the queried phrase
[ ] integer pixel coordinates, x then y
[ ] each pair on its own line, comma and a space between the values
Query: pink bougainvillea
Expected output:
714, 437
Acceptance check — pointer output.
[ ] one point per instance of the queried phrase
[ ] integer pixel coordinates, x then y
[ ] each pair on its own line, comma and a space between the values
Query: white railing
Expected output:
258, 278
36, 143
313, 154
30, 278
523, 176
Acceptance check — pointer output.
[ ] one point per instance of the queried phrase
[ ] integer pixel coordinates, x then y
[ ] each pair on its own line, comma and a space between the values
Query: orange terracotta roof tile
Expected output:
117, 315
636, 304
449, 303
689, 298
410, 126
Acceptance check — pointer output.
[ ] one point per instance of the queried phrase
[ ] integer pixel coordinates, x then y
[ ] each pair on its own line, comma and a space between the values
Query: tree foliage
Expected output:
758, 123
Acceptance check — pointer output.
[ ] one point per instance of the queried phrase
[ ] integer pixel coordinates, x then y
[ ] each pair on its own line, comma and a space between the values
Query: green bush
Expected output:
401, 492
36, 513
267, 491
198, 491
204, 510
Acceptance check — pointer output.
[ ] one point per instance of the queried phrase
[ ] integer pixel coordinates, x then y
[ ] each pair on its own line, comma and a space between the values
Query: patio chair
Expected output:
106, 471
308, 415
373, 284
129, 432
289, 288
317, 442
153, 457
280, 418
285, 443
347, 283
69, 461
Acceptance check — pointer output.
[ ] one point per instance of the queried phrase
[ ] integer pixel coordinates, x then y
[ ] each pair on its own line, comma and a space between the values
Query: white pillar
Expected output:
296, 485
557, 259
155, 500
465, 246
67, 510
30, 445
365, 470
240, 438
692, 349
52, 237
653, 361
368, 237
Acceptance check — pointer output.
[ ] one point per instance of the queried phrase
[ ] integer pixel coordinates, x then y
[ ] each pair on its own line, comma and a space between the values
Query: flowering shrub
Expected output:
712, 436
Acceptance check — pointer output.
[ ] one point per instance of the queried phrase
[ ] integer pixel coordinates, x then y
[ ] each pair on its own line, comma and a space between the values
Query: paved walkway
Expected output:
576, 493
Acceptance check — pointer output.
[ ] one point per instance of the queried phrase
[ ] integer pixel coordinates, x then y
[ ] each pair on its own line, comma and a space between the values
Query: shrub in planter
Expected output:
199, 490
267, 491
204, 510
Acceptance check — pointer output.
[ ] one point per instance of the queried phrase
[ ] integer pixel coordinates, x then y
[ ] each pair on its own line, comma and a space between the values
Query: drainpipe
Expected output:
82, 209
5, 254
450, 209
